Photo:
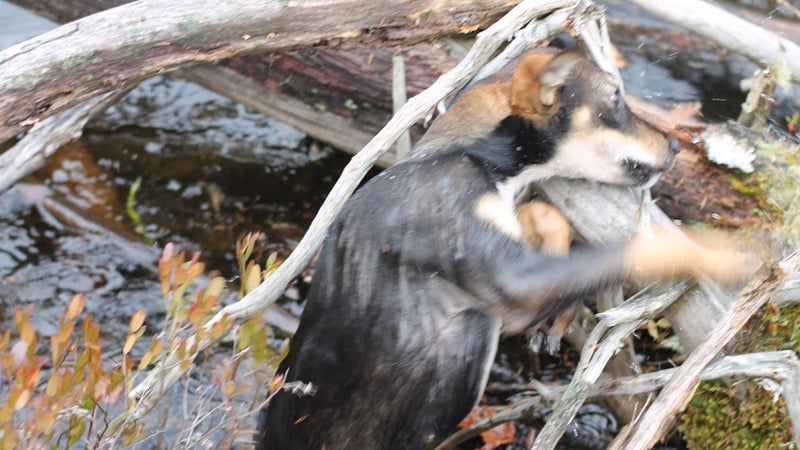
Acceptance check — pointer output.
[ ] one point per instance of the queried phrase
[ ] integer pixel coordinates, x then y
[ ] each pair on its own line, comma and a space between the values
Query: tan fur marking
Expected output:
493, 209
526, 89
474, 115
544, 227
582, 118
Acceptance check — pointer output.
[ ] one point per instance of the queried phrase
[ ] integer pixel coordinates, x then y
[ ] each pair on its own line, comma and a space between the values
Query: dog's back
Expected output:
390, 318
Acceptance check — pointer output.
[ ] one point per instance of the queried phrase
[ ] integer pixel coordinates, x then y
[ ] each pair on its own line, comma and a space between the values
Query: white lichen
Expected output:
728, 150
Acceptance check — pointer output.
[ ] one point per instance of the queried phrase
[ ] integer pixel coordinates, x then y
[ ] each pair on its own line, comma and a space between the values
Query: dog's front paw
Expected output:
663, 254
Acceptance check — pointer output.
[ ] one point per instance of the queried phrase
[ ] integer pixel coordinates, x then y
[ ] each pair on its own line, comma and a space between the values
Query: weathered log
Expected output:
341, 97
115, 48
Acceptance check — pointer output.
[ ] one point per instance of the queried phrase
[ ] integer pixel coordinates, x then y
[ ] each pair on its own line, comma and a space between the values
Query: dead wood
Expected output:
620, 224
596, 354
783, 366
607, 336
118, 47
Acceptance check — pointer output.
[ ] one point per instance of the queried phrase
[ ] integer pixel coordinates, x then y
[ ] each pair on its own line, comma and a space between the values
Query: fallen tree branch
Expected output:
735, 33
168, 371
781, 365
680, 388
121, 46
47, 136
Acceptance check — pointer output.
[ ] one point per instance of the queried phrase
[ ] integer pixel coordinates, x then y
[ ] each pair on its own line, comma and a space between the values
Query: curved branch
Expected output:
682, 385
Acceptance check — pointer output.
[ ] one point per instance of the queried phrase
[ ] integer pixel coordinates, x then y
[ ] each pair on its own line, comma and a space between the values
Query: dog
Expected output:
427, 263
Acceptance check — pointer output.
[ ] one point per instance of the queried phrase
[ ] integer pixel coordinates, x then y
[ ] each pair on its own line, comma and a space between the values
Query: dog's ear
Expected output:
536, 82
555, 74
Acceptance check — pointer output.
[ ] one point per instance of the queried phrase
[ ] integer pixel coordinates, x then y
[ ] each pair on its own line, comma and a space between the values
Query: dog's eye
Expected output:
616, 99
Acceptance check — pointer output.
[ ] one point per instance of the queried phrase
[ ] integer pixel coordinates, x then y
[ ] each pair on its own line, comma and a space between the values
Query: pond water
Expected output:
210, 172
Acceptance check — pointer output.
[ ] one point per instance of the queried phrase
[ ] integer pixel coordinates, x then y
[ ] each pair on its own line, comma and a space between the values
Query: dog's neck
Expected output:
515, 149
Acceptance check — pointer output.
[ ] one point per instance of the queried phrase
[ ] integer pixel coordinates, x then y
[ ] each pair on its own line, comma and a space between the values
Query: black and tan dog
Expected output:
425, 265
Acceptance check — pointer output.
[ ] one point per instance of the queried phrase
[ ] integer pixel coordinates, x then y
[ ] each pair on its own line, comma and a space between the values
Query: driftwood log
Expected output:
729, 30
121, 46
331, 118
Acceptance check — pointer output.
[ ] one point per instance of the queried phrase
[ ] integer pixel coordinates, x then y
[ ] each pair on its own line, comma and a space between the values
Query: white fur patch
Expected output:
499, 212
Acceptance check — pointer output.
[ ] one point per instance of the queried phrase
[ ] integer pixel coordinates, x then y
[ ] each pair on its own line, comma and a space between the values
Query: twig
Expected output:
645, 305
679, 390
399, 98
789, 8
168, 371
594, 36
534, 33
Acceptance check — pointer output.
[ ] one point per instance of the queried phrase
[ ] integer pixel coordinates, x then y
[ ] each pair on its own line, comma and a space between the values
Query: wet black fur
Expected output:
408, 297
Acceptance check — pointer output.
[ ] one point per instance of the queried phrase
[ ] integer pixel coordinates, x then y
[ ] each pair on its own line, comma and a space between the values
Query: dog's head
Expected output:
580, 108
583, 128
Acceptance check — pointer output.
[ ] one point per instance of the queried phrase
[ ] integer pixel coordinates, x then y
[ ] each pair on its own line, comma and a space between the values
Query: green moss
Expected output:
744, 415
79, 60
775, 185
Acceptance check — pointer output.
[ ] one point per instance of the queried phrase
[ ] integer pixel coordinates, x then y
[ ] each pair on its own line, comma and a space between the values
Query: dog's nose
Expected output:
674, 145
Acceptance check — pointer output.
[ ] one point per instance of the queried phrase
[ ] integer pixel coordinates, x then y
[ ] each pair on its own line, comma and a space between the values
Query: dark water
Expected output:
211, 171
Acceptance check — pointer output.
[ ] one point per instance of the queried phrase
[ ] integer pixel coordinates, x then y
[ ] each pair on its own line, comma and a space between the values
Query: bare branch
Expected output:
594, 357
781, 365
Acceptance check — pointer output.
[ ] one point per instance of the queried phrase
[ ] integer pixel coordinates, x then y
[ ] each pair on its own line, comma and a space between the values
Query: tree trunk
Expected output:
120, 46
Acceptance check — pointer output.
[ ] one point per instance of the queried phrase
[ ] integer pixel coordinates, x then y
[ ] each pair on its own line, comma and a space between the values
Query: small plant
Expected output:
65, 399
55, 400
793, 122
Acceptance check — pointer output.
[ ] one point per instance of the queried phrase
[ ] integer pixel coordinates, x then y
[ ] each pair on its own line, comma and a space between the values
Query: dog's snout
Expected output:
640, 172
674, 145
